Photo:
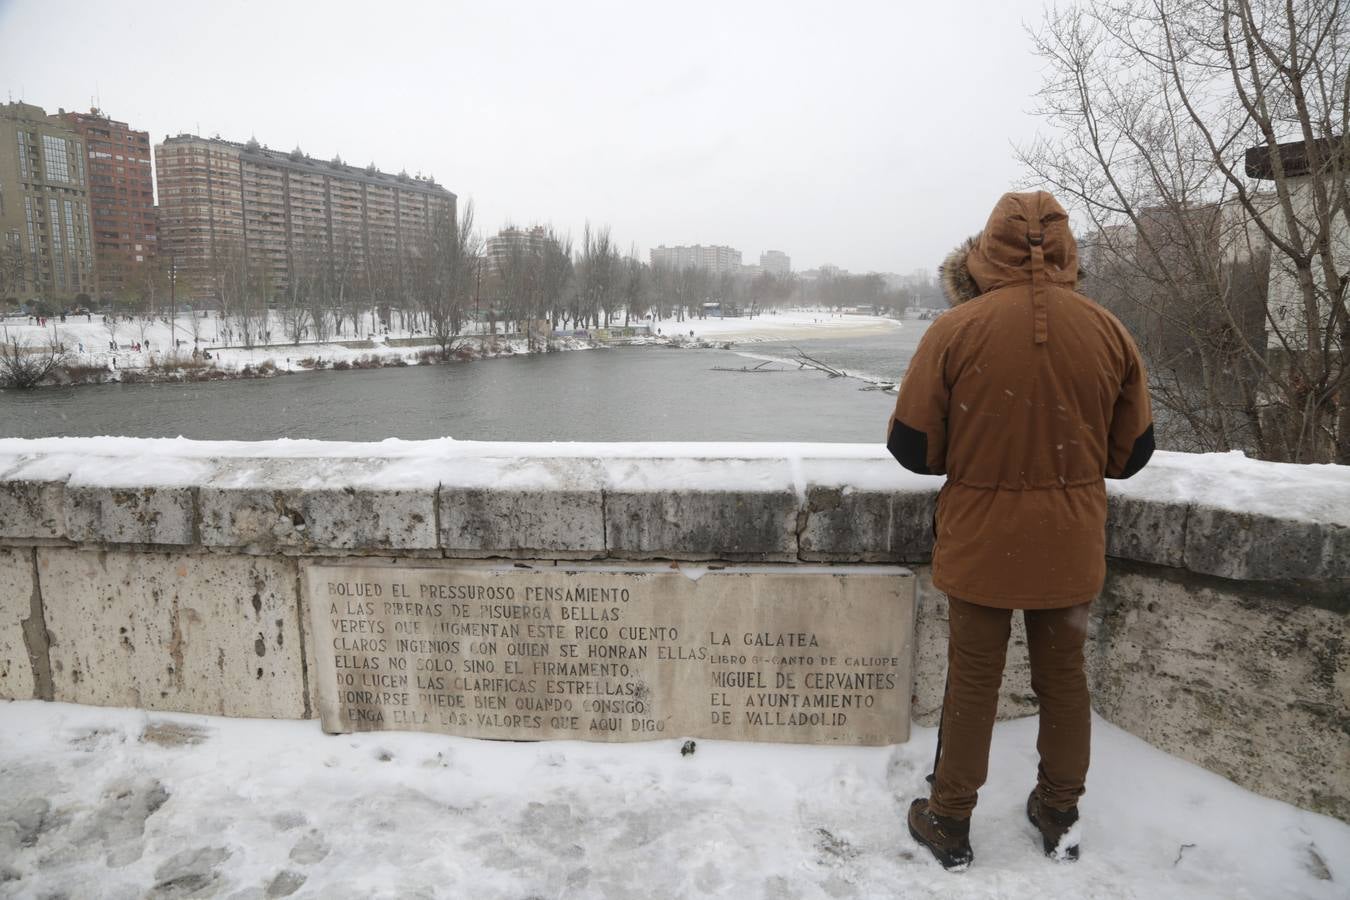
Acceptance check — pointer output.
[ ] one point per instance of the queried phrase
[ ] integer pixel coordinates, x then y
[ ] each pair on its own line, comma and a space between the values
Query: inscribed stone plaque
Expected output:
801, 654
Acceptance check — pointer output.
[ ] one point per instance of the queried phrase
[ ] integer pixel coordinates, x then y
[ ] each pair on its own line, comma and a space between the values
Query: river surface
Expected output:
632, 394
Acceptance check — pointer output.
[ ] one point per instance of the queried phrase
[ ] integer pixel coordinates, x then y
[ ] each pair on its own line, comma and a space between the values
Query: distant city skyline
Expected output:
872, 135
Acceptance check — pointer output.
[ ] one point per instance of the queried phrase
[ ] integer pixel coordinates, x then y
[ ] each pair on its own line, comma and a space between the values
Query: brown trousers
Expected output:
975, 655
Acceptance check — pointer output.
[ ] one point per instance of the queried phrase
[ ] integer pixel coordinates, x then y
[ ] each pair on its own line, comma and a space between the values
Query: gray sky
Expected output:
870, 135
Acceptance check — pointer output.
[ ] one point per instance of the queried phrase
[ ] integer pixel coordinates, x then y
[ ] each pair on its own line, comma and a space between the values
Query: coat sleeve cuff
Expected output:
909, 446
1139, 455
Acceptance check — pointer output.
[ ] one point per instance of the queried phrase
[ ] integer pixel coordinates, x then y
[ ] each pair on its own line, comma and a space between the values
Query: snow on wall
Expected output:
1231, 481
1215, 514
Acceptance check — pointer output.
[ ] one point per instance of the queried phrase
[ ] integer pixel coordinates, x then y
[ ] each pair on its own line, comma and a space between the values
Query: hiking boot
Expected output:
1059, 834
947, 839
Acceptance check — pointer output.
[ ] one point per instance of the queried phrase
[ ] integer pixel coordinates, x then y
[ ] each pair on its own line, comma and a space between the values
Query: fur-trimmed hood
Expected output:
957, 283
1001, 254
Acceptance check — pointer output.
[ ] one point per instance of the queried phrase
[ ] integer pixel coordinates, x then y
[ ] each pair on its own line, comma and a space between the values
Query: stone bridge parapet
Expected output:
165, 574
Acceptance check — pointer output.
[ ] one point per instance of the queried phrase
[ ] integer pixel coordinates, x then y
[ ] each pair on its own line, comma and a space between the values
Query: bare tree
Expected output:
23, 365
636, 286
445, 280
343, 265
1206, 145
556, 278
301, 306
597, 271
111, 325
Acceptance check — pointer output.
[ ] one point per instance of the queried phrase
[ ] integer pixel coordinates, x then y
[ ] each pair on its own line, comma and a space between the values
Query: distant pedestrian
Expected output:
1026, 395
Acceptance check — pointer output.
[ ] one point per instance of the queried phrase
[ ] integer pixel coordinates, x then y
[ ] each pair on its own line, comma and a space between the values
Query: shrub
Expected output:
79, 373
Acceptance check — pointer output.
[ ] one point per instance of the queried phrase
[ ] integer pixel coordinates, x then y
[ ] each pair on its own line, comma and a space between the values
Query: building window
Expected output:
54, 223
32, 235
54, 158
88, 249
25, 171
58, 252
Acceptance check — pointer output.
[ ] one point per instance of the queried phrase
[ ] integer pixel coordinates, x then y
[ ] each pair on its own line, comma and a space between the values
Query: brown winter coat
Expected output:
1026, 395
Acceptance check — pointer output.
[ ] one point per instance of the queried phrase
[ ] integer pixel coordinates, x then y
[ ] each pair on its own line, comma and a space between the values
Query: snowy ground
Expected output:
121, 803
87, 339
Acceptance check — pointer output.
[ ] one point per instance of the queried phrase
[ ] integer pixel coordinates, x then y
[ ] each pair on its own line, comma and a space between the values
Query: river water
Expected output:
633, 394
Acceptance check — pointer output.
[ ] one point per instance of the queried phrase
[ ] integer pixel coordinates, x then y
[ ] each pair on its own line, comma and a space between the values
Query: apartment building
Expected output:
121, 199
717, 259
46, 241
532, 241
776, 263
222, 201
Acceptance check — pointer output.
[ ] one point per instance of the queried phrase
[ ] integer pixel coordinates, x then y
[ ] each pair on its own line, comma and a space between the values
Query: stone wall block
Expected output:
848, 525
912, 516
100, 514
316, 519
844, 525
31, 508
1147, 530
555, 524
17, 681
199, 633
1255, 547
736, 526
1204, 671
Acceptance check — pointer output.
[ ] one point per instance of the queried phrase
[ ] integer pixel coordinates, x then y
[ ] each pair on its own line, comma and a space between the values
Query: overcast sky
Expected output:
869, 135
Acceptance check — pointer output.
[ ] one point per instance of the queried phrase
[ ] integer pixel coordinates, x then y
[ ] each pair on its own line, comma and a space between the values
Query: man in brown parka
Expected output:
1026, 396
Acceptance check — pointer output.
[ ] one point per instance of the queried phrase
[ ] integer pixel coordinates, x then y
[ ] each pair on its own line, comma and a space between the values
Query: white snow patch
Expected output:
1067, 842
111, 802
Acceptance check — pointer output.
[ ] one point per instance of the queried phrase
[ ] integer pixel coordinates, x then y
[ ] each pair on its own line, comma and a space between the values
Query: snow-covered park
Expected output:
121, 803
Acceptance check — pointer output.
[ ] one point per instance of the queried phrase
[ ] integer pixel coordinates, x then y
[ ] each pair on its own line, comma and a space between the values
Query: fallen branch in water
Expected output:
757, 370
807, 361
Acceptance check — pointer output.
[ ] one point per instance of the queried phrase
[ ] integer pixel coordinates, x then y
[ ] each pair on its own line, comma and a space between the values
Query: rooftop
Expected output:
299, 160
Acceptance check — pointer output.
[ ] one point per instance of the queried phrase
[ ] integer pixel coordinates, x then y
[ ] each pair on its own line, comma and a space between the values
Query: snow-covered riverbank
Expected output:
119, 803
157, 350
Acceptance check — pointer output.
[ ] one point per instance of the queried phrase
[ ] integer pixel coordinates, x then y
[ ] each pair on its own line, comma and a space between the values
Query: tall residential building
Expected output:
716, 259
776, 263
220, 200
44, 207
121, 199
533, 241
